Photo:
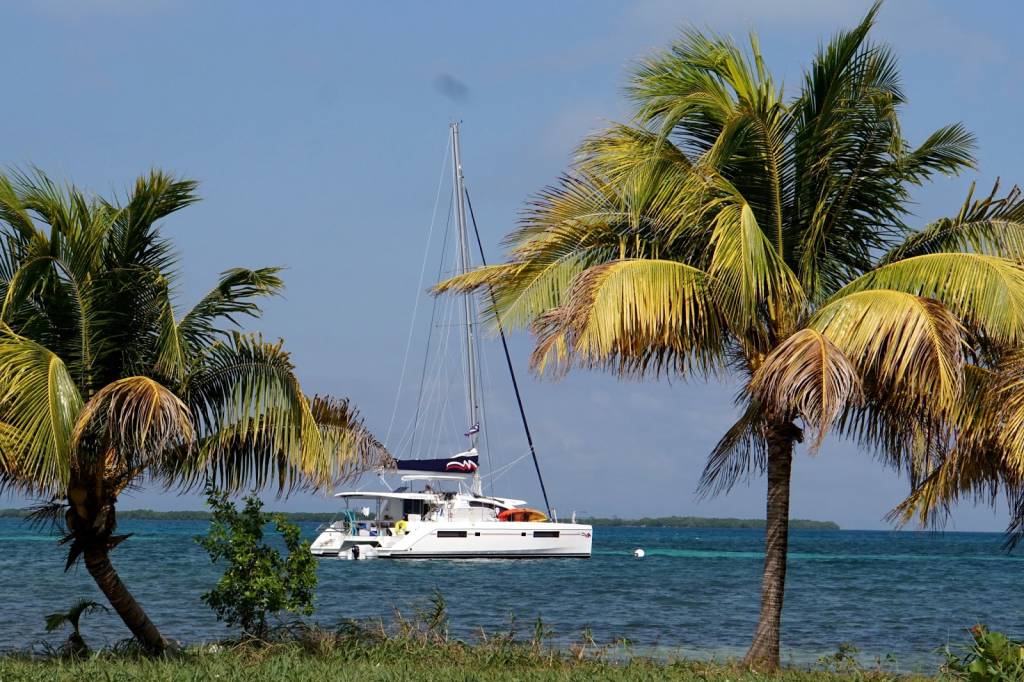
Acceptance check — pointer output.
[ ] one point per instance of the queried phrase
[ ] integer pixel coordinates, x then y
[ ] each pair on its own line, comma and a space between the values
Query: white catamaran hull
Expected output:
482, 540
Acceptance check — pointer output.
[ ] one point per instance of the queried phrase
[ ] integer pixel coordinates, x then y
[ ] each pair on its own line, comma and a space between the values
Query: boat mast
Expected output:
468, 307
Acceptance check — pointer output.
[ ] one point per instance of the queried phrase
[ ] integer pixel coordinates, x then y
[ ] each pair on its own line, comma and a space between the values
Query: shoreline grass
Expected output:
413, 647
435, 663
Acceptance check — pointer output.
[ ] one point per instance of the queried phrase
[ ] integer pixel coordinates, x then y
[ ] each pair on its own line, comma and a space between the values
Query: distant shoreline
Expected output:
705, 522
646, 522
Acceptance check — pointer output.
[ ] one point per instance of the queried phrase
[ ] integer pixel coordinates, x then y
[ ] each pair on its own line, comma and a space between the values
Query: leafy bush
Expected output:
847, 661
993, 657
844, 660
257, 580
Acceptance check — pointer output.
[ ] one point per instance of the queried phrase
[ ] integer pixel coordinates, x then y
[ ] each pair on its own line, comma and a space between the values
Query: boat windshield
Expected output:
437, 483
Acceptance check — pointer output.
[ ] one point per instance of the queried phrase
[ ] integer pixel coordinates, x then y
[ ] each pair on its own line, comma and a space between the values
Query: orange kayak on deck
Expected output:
522, 515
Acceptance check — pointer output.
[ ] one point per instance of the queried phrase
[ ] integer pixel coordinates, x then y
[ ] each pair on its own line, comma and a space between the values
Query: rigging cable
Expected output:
508, 359
505, 468
430, 335
485, 371
416, 302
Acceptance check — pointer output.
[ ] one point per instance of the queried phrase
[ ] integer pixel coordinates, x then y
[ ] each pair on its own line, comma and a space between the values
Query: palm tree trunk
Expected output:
764, 651
97, 562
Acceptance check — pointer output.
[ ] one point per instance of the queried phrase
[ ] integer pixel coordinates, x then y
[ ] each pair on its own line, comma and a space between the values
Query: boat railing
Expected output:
347, 524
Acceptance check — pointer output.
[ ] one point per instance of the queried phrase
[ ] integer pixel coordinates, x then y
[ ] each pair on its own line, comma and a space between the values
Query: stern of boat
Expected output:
329, 543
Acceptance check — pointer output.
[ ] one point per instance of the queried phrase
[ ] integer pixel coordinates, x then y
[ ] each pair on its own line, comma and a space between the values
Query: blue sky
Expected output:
317, 131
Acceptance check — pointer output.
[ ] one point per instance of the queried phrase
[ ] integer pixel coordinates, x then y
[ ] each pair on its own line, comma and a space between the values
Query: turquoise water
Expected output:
696, 593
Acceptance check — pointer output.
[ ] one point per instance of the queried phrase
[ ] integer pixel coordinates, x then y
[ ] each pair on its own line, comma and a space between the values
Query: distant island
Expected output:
646, 522
151, 515
705, 522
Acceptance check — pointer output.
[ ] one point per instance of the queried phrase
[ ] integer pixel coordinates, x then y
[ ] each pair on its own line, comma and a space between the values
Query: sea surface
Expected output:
901, 595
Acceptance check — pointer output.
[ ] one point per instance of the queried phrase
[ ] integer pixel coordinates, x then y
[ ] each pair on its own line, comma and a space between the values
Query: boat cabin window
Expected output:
545, 533
485, 505
413, 507
451, 533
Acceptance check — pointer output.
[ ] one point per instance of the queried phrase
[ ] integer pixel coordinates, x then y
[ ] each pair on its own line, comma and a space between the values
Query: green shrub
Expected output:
844, 660
993, 657
257, 580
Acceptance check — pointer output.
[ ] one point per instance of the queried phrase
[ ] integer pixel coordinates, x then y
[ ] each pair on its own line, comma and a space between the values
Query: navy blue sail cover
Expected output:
459, 464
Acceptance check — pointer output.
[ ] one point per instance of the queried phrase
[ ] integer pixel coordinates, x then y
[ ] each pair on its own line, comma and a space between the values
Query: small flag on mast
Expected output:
473, 430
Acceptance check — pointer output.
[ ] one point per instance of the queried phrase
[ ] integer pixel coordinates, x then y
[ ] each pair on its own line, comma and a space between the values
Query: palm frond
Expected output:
964, 473
988, 226
586, 220
73, 616
256, 426
173, 356
906, 347
741, 452
519, 292
985, 292
55, 621
948, 150
722, 127
48, 516
853, 168
84, 607
692, 89
137, 421
67, 312
653, 188
14, 213
135, 241
621, 204
232, 297
1001, 405
635, 316
985, 460
753, 277
134, 317
59, 207
39, 404
479, 278
343, 430
807, 376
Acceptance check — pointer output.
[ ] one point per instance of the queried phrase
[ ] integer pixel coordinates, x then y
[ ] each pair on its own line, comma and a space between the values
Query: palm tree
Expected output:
106, 385
730, 231
75, 646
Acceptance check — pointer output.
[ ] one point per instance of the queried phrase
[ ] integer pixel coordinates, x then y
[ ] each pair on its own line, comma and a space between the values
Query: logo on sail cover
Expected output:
465, 466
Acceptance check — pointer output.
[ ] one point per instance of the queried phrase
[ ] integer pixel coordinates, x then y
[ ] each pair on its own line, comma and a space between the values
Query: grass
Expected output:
438, 664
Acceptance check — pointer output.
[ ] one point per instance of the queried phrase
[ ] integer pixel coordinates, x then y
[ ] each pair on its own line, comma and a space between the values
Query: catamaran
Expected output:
440, 510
